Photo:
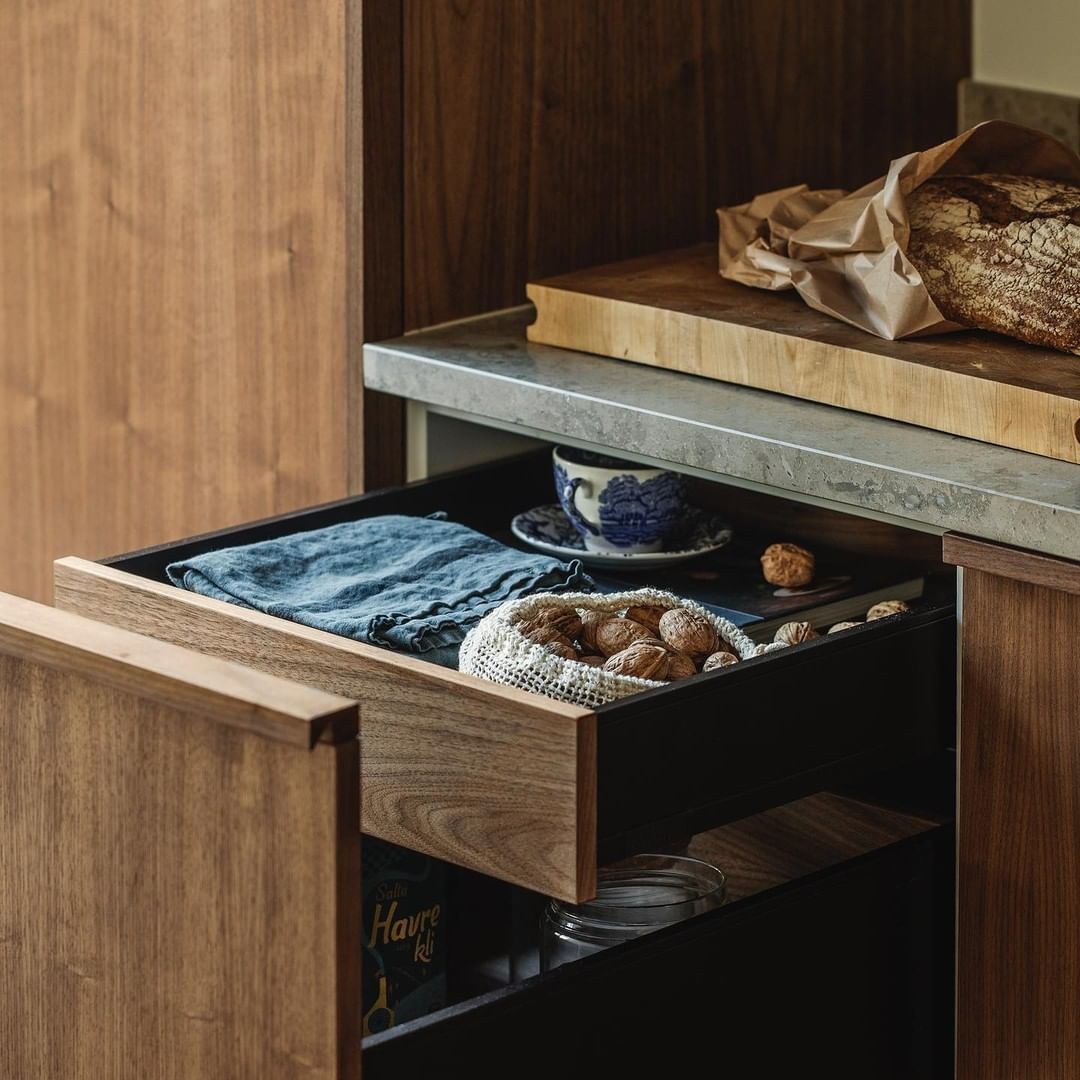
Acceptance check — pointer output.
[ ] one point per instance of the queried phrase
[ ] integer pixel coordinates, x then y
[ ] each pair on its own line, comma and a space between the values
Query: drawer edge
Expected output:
510, 790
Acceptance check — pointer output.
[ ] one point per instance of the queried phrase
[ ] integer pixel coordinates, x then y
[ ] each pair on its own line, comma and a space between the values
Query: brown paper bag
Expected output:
845, 254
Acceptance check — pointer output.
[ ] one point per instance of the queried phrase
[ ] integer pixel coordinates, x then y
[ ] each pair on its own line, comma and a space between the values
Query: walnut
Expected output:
615, 634
688, 632
787, 565
641, 659
563, 649
837, 627
566, 620
795, 633
591, 661
590, 623
648, 615
553, 641
680, 665
885, 609
719, 660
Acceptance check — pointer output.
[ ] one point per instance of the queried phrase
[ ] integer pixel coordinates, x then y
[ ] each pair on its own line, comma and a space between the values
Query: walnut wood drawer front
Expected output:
529, 790
179, 863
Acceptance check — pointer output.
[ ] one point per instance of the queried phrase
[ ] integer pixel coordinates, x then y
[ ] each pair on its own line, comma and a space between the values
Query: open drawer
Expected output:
835, 945
529, 790
182, 884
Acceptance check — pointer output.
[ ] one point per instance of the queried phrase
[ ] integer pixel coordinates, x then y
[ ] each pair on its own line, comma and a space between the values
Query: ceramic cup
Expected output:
618, 505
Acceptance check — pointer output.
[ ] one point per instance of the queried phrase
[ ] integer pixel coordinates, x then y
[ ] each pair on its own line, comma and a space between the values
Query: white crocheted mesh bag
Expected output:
495, 649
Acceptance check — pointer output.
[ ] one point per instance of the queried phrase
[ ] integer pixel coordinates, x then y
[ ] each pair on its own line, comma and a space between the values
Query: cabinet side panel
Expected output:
176, 896
1018, 993
172, 273
550, 135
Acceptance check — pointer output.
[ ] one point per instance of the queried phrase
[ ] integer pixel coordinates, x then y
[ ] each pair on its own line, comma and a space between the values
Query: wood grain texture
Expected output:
544, 135
178, 896
156, 671
800, 838
481, 775
1018, 950
172, 276
1029, 566
376, 274
673, 311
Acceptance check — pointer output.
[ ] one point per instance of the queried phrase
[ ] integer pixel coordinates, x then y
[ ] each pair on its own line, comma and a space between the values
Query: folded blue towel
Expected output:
408, 583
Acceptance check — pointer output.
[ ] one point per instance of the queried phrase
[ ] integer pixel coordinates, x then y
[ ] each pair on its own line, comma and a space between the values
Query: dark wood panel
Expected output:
548, 135
775, 518
376, 273
172, 294
179, 897
1019, 833
1029, 566
798, 839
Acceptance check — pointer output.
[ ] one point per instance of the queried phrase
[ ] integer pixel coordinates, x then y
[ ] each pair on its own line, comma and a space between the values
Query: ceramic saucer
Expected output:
548, 529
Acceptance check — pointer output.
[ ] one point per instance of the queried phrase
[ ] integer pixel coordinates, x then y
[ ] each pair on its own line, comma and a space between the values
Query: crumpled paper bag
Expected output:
845, 254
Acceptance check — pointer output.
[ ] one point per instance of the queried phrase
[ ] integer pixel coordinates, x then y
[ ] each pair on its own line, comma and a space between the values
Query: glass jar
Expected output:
634, 897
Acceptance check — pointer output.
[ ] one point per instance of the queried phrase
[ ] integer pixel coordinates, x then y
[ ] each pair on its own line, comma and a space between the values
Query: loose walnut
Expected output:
689, 632
719, 660
615, 634
641, 659
795, 633
680, 666
837, 627
590, 623
885, 609
787, 565
566, 621
648, 615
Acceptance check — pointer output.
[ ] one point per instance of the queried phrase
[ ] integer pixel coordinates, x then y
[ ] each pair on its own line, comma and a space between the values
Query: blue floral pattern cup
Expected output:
618, 505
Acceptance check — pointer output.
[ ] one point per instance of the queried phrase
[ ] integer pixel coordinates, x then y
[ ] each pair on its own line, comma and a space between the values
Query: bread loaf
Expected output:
1001, 253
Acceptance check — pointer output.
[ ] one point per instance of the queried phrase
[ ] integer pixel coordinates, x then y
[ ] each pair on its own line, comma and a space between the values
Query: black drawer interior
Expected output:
717, 747
846, 963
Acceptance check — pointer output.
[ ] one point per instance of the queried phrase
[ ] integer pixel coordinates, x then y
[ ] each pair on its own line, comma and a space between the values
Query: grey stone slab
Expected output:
1056, 114
486, 369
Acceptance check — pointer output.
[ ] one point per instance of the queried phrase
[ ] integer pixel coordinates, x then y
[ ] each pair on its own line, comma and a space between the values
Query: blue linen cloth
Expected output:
414, 584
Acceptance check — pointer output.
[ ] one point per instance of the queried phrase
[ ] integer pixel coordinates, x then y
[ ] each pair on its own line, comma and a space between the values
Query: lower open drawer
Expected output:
529, 790
834, 949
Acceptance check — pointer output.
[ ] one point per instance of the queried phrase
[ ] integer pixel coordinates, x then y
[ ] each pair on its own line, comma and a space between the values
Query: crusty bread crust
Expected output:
1001, 253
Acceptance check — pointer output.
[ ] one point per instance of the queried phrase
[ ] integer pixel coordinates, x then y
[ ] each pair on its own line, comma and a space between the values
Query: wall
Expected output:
1028, 43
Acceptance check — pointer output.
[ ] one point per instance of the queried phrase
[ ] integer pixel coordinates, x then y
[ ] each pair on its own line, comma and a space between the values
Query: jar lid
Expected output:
643, 892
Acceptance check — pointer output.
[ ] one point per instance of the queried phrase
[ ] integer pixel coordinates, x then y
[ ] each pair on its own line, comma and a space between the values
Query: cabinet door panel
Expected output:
179, 866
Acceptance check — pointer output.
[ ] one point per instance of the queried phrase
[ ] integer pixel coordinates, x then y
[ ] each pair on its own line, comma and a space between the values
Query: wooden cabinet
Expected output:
208, 207
179, 861
1018, 944
530, 790
180, 882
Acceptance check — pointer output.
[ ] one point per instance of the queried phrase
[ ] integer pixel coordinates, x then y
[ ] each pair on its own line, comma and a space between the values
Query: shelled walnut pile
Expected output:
659, 643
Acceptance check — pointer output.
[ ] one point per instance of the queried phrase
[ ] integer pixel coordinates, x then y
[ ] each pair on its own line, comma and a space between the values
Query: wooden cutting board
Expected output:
674, 311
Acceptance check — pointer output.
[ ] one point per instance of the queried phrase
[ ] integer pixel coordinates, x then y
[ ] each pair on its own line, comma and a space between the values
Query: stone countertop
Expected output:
486, 368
